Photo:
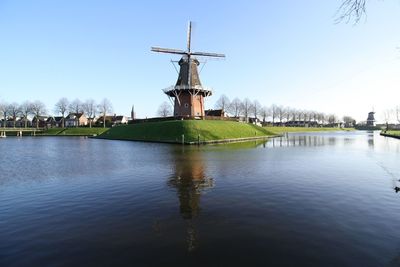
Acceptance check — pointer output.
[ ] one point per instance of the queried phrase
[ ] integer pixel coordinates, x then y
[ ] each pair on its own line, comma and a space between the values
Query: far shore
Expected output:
222, 136
284, 129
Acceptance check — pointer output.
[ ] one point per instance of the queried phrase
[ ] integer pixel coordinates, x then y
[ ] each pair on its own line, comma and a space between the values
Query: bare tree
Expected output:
235, 107
26, 110
90, 109
302, 116
105, 107
246, 107
76, 107
387, 116
321, 118
295, 115
255, 108
350, 9
265, 112
398, 114
288, 113
222, 103
274, 113
3, 111
38, 109
281, 113
313, 116
307, 116
61, 107
349, 121
164, 110
332, 119
14, 110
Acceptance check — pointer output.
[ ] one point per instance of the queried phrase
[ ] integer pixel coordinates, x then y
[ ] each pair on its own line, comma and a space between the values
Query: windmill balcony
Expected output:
187, 87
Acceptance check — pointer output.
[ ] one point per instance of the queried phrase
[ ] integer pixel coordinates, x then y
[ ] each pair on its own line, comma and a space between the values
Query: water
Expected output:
318, 199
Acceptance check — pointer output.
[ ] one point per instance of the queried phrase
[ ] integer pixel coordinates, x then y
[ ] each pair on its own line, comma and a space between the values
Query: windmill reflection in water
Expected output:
190, 181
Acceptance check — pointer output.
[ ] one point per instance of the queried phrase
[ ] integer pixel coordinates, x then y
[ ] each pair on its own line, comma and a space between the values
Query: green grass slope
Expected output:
193, 130
391, 133
52, 131
75, 131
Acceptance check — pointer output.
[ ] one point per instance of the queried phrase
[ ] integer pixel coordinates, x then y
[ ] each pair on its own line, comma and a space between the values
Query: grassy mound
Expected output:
53, 131
391, 133
192, 130
75, 131
394, 132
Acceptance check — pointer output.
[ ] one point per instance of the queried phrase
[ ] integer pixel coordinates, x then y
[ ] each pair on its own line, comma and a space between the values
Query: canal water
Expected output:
317, 199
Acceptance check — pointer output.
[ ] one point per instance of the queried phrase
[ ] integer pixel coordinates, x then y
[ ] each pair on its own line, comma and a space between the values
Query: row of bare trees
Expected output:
37, 109
389, 115
274, 113
27, 108
89, 107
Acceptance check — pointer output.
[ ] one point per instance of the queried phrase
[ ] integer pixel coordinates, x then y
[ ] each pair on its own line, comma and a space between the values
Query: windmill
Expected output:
371, 118
188, 93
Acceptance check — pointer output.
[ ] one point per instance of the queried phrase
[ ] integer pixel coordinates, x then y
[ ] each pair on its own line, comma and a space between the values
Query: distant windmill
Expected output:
188, 93
371, 118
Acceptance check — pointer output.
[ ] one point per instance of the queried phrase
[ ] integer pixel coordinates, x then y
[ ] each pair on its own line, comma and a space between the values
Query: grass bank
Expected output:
188, 131
79, 131
280, 130
395, 134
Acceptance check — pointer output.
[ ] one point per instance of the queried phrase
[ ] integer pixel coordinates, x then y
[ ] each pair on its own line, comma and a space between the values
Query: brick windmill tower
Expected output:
188, 94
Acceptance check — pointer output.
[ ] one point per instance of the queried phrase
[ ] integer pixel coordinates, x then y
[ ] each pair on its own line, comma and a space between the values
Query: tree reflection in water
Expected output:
190, 181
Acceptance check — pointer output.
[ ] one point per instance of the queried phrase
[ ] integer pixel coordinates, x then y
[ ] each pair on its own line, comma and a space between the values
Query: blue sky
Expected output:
278, 52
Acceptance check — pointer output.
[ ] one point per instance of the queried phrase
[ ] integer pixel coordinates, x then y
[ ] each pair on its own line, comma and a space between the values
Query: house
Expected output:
120, 120
296, 123
113, 120
255, 121
40, 121
100, 120
92, 120
75, 120
10, 122
240, 118
215, 113
390, 126
22, 122
58, 121
50, 122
